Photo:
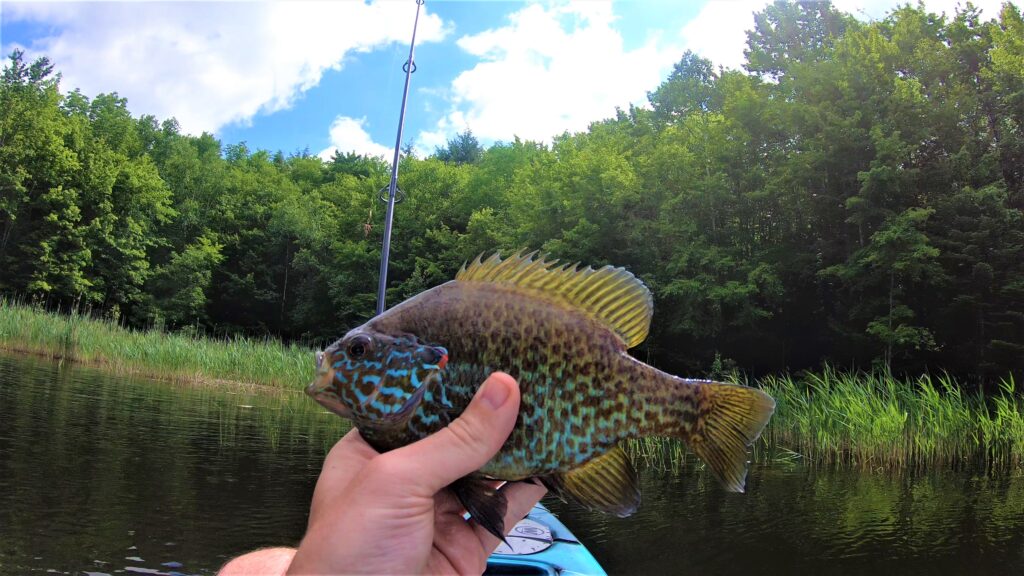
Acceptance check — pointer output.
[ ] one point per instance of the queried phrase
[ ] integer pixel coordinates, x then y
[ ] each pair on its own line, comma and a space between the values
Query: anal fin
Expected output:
607, 483
486, 504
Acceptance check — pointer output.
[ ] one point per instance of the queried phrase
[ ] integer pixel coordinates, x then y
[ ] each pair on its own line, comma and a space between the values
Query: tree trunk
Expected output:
888, 342
284, 287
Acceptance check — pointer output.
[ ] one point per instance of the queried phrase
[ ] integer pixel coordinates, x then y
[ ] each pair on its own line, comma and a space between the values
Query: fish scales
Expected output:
573, 377
562, 332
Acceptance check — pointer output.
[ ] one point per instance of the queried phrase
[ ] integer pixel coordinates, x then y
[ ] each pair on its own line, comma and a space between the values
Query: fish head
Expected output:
376, 379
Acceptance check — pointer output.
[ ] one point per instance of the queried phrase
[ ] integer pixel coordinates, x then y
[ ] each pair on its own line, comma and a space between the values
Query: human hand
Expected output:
390, 514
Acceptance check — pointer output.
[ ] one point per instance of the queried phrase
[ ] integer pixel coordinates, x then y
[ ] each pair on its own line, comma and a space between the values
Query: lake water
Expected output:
109, 474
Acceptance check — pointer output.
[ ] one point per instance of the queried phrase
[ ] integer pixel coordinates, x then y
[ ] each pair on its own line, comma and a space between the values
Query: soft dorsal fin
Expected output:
612, 295
607, 483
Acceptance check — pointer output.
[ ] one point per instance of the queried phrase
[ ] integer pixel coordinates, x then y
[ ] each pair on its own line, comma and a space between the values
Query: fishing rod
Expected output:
409, 67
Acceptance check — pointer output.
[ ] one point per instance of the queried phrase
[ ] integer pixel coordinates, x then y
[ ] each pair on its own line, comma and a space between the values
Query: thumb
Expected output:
466, 444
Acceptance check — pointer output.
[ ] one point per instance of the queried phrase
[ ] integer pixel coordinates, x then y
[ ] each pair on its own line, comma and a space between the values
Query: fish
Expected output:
562, 331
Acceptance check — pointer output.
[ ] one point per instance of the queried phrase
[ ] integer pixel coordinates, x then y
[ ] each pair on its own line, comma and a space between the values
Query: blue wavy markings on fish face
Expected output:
377, 379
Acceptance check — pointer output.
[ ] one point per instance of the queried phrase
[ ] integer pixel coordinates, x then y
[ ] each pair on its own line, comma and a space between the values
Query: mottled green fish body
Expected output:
562, 333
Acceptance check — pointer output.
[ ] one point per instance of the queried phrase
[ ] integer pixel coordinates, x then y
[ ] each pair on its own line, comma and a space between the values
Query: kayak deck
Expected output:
541, 545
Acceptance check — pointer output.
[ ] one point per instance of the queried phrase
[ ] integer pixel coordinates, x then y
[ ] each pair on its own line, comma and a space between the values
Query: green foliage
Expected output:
793, 33
180, 287
462, 149
1005, 104
853, 196
80, 204
690, 88
901, 255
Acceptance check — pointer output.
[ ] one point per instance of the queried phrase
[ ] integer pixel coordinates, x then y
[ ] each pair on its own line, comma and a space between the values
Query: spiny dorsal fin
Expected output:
612, 295
607, 483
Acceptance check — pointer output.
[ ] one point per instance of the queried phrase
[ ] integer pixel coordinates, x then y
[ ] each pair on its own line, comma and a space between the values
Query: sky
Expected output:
322, 76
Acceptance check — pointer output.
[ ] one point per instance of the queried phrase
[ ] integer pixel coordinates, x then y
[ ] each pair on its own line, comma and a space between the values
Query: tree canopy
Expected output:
853, 196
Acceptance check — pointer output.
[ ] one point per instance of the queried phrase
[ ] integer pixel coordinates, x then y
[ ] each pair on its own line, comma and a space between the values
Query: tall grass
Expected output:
867, 420
79, 338
874, 420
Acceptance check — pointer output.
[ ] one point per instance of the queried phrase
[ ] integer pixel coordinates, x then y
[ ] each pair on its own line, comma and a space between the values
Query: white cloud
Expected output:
212, 63
552, 68
349, 135
718, 31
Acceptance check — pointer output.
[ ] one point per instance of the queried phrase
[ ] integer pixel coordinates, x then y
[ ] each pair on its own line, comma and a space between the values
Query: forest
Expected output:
854, 197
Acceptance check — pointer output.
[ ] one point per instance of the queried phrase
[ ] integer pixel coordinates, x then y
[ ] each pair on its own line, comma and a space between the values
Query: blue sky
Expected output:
323, 75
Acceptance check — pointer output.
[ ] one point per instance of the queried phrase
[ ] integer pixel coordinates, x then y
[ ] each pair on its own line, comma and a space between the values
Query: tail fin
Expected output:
728, 420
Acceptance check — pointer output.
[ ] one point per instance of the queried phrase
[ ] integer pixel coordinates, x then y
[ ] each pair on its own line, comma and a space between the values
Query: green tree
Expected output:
789, 33
180, 287
42, 248
852, 195
1006, 103
462, 149
690, 88
882, 278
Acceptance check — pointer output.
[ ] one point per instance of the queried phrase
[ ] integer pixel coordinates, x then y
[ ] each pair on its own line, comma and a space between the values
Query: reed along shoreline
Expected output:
153, 353
857, 419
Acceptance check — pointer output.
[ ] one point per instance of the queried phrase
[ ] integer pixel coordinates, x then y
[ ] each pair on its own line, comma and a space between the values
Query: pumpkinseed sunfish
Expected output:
562, 332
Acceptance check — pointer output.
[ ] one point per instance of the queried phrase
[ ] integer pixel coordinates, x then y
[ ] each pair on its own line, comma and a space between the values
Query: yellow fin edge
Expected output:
612, 295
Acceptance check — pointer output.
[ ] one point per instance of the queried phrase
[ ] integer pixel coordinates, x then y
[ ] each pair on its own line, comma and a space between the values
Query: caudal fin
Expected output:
728, 421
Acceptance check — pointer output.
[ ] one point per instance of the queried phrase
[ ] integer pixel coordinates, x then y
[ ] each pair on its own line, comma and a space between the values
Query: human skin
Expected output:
390, 513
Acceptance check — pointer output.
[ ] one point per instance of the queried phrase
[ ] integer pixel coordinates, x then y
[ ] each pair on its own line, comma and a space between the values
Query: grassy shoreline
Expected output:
155, 354
866, 420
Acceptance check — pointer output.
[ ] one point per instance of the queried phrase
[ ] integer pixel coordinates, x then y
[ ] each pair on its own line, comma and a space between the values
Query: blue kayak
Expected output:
540, 544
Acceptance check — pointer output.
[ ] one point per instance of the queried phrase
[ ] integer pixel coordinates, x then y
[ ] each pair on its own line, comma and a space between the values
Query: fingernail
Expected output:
496, 392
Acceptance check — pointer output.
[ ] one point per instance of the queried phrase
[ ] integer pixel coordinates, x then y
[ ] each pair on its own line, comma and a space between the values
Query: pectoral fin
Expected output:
485, 504
607, 483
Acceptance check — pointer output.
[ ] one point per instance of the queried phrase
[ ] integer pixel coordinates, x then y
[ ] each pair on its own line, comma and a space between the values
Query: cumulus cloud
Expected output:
211, 64
350, 135
551, 68
719, 31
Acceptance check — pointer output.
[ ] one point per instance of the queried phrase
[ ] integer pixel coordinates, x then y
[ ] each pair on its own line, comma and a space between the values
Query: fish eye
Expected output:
358, 347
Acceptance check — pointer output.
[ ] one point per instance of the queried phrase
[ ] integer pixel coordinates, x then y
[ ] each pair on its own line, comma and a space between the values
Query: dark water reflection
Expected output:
108, 474
96, 470
800, 521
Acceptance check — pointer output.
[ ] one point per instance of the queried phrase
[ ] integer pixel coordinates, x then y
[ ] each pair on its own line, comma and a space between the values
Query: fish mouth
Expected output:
325, 391
321, 390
